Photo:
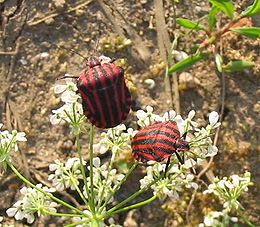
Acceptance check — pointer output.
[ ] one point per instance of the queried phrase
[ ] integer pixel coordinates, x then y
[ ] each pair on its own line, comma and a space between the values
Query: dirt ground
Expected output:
31, 61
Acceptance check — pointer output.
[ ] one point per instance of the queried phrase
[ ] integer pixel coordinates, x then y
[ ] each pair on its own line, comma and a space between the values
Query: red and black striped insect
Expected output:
159, 141
106, 100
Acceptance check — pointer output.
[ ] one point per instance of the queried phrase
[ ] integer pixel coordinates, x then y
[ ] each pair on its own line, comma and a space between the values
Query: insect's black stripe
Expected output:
156, 146
172, 127
101, 100
107, 89
144, 152
89, 96
111, 96
172, 135
156, 141
95, 99
118, 92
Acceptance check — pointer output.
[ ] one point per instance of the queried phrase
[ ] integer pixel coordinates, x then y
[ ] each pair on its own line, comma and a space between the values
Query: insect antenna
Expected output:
65, 77
72, 51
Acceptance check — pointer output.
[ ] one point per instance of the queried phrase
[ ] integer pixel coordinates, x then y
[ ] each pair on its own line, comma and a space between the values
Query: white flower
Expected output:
8, 143
69, 112
211, 151
213, 118
174, 182
96, 162
67, 90
32, 202
170, 115
66, 175
230, 189
116, 140
20, 136
146, 118
104, 59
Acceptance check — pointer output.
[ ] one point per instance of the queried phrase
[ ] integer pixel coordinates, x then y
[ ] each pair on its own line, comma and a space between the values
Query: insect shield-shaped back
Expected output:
106, 99
157, 142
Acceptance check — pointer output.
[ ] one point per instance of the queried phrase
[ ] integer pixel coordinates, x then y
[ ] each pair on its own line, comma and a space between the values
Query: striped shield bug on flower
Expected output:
159, 141
106, 100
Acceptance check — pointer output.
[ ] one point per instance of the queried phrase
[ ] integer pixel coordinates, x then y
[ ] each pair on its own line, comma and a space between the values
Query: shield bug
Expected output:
106, 100
159, 141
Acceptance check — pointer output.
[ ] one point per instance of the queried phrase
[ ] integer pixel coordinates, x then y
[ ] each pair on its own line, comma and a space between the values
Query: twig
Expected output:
189, 206
164, 44
8, 53
122, 27
52, 15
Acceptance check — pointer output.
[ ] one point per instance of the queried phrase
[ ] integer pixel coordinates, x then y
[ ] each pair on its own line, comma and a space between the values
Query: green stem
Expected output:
82, 166
91, 138
246, 220
77, 223
44, 192
78, 190
108, 173
118, 186
109, 212
135, 205
62, 214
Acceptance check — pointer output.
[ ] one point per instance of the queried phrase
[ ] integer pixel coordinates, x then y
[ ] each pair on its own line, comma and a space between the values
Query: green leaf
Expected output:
219, 62
186, 63
251, 32
236, 66
252, 9
212, 17
224, 5
189, 24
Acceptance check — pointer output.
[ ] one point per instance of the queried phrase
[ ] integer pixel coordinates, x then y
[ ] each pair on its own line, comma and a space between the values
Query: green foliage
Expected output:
236, 66
251, 32
189, 24
252, 9
186, 63
225, 6
212, 20
214, 34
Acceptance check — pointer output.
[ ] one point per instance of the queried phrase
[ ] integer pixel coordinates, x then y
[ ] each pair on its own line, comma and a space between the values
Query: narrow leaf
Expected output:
186, 63
189, 24
252, 9
236, 66
212, 17
224, 5
219, 62
251, 32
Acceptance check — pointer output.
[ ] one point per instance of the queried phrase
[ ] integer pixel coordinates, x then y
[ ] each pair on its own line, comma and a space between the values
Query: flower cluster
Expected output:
146, 118
86, 222
230, 189
8, 143
218, 219
200, 143
32, 202
116, 139
71, 112
171, 185
66, 175
105, 180
199, 138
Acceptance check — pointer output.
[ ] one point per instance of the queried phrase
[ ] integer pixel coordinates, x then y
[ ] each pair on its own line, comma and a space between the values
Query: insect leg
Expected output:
167, 165
180, 159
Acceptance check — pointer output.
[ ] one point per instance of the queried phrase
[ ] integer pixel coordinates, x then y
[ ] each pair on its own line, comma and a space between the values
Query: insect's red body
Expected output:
157, 142
106, 99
